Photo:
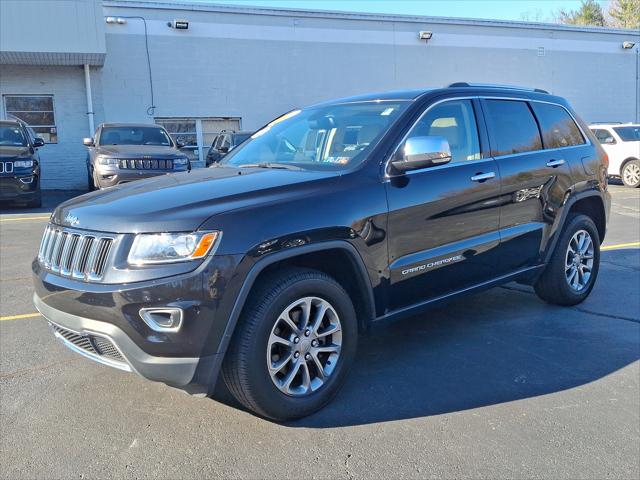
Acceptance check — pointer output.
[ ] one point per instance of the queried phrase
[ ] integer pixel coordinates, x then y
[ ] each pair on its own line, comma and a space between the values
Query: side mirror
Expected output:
38, 142
609, 140
179, 144
223, 149
87, 142
422, 152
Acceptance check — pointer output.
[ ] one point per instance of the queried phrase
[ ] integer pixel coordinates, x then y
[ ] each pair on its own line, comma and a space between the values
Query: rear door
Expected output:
533, 159
443, 220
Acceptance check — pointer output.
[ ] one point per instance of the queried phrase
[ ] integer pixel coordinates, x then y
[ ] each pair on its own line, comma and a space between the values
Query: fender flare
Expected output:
260, 265
565, 212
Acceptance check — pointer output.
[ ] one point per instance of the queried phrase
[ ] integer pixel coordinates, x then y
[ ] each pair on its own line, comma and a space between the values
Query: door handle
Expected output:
555, 163
481, 177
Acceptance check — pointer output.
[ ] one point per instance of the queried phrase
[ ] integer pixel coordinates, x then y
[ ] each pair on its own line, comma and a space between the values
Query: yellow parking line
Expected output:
19, 317
620, 245
18, 219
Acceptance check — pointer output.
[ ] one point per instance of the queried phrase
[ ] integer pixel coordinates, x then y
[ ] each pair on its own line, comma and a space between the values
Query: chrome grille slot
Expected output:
74, 253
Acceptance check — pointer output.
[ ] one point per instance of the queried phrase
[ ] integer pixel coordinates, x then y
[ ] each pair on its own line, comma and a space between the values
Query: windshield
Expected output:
134, 136
330, 137
241, 137
12, 135
628, 134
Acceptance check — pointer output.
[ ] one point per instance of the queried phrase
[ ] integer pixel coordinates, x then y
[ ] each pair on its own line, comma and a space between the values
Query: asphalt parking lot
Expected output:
499, 385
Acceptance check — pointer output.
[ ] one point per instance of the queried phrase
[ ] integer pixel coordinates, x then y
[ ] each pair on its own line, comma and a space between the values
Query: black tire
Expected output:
90, 180
245, 370
553, 286
629, 179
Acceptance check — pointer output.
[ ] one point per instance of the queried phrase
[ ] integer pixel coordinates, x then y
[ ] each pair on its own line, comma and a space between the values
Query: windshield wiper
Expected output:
282, 166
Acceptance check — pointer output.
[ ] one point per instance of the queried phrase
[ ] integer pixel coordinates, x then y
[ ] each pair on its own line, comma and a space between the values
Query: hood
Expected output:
14, 152
181, 202
138, 151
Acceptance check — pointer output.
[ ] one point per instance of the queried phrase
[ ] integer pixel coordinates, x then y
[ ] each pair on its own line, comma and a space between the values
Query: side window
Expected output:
604, 136
456, 122
513, 126
558, 128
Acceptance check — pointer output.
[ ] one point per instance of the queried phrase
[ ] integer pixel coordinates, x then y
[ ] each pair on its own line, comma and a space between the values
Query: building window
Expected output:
36, 111
196, 134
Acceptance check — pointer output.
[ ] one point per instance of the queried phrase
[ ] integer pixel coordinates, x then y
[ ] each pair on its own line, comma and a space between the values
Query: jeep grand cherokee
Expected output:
328, 219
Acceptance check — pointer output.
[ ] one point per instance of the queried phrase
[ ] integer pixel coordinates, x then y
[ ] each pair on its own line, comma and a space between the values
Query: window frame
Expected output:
483, 131
539, 122
54, 126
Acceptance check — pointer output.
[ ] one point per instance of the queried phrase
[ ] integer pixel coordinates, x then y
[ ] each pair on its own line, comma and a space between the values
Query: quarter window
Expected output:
514, 128
604, 136
558, 128
36, 111
456, 122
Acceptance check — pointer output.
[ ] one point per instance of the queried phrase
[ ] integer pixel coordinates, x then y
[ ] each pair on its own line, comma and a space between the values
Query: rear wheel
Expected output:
572, 271
293, 346
631, 174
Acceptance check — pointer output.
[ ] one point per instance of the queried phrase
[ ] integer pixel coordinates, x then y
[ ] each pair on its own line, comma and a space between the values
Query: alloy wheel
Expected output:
579, 260
304, 346
631, 174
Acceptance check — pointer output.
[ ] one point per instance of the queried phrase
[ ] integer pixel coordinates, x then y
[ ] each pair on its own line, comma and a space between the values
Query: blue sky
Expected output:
534, 10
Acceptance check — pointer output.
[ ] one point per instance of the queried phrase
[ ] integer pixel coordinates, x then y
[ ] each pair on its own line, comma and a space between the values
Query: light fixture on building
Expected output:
425, 35
179, 24
628, 45
114, 20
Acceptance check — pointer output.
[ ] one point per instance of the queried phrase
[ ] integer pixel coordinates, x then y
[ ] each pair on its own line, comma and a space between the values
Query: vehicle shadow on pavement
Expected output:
499, 346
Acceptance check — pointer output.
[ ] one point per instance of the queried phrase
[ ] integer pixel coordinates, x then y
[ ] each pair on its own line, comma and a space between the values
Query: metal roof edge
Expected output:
344, 15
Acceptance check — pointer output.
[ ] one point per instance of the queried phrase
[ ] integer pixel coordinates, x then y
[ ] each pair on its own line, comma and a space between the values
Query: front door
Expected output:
443, 220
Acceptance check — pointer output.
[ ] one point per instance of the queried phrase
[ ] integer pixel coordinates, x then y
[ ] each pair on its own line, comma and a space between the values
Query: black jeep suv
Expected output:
19, 164
329, 218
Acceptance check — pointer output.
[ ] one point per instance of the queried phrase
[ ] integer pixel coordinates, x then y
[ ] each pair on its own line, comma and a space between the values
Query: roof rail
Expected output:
605, 123
495, 85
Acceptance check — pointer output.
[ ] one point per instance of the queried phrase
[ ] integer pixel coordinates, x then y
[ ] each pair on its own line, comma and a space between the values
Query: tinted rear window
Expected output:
628, 134
514, 128
558, 128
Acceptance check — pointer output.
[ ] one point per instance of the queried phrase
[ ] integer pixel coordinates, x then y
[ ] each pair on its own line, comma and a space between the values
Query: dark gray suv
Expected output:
122, 152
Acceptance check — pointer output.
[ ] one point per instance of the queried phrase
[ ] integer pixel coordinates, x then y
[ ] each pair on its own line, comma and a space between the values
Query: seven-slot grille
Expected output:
146, 164
71, 253
92, 344
6, 167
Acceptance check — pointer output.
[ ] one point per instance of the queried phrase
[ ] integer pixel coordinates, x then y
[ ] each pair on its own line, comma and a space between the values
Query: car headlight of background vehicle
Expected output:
150, 248
108, 161
180, 162
23, 164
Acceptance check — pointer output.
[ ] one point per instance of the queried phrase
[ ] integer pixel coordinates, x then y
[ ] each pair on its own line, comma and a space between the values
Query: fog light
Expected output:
162, 319
27, 179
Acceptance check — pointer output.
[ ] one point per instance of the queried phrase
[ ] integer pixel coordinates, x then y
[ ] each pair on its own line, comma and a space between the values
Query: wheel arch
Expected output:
624, 163
337, 258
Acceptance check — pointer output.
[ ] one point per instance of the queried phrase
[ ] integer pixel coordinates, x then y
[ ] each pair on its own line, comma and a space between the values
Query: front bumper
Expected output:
175, 371
14, 189
110, 175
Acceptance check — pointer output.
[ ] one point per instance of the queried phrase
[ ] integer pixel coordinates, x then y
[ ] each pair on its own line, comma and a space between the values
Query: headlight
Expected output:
23, 164
178, 162
108, 161
171, 247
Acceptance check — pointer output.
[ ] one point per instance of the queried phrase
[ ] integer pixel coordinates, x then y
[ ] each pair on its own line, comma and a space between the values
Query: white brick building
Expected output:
237, 67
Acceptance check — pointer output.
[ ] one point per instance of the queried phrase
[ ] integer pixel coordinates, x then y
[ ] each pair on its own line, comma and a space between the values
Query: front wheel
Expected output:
631, 174
572, 271
294, 345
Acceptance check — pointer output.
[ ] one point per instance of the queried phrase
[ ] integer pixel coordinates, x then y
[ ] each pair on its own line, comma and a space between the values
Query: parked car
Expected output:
330, 218
622, 144
224, 143
19, 164
122, 152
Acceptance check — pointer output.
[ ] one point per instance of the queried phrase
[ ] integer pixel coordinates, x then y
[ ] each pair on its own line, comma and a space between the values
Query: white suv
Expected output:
622, 144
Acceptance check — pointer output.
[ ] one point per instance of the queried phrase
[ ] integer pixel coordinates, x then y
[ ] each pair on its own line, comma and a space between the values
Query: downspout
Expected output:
87, 86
